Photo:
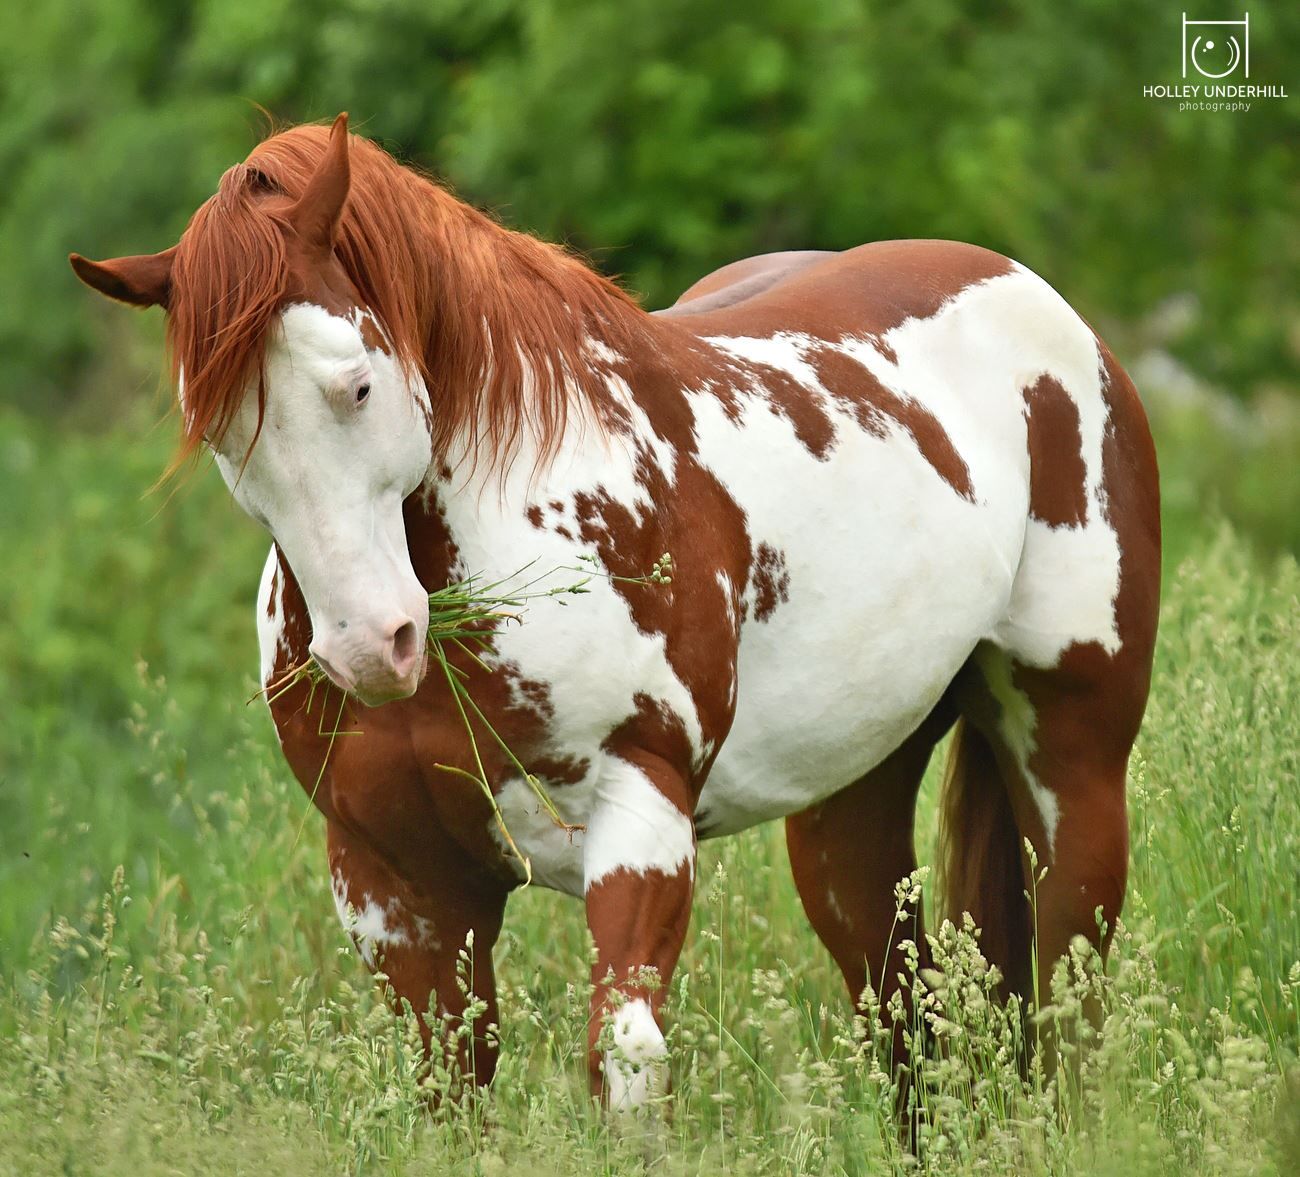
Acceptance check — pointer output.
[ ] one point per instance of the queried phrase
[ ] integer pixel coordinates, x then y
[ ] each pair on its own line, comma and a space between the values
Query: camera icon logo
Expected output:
1216, 48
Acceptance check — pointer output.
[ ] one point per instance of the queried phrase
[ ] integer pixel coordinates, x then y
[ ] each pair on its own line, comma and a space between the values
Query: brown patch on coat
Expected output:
740, 280
437, 907
654, 728
275, 584
867, 291
874, 406
1057, 474
735, 378
883, 348
771, 581
560, 770
710, 548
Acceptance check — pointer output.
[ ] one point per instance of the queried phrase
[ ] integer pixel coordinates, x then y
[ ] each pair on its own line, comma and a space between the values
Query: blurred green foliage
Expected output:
665, 138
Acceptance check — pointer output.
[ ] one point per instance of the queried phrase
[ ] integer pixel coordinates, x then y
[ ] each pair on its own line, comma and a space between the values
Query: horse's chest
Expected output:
554, 853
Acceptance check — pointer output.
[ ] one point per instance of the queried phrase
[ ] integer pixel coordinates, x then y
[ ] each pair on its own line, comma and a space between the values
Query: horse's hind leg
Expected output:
848, 852
1061, 751
1058, 696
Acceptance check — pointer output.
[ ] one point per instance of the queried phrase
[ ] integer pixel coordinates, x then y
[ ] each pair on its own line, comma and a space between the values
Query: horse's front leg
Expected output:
639, 873
414, 932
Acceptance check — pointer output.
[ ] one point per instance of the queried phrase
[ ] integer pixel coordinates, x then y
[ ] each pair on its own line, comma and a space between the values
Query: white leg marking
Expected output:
635, 1070
633, 826
1017, 722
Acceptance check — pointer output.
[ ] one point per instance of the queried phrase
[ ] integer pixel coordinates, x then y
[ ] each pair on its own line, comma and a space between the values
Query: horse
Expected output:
905, 488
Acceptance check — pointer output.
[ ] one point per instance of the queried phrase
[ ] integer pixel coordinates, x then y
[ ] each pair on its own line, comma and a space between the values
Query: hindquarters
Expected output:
1052, 703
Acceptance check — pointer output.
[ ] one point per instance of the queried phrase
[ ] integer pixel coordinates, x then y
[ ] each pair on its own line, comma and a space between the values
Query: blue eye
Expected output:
362, 393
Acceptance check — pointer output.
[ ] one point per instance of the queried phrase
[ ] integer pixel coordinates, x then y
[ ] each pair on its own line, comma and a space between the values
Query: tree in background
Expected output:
663, 139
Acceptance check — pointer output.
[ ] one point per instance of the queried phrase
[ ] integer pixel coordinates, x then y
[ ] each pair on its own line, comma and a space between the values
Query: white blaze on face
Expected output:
327, 477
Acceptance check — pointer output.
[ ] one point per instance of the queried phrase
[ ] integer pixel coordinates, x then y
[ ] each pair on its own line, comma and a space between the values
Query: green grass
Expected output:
176, 995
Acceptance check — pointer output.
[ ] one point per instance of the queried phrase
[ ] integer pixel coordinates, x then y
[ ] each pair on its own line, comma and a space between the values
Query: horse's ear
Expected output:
316, 216
144, 280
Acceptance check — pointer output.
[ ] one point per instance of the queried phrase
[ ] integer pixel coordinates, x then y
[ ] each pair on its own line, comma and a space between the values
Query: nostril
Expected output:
405, 652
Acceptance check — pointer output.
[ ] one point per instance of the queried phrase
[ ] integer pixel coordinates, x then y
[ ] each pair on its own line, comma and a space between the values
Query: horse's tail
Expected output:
980, 853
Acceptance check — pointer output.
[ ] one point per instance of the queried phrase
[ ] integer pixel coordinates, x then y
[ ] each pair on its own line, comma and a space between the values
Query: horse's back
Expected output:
880, 284
741, 280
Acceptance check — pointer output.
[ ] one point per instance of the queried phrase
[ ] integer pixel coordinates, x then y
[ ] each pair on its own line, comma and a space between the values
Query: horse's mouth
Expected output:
374, 694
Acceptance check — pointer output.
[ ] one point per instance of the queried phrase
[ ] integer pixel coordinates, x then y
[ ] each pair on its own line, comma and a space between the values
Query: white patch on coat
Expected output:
837, 909
1017, 723
271, 640
894, 577
554, 854
635, 1070
629, 825
729, 601
634, 827
1078, 563
599, 350
374, 926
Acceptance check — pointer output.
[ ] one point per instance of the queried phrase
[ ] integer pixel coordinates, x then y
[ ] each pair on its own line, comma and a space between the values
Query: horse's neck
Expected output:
473, 500
513, 329
433, 548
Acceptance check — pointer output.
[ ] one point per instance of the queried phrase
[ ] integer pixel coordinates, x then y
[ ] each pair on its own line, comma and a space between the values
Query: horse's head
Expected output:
319, 425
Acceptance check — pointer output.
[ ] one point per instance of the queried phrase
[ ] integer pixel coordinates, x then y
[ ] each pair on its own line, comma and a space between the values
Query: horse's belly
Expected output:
812, 717
794, 743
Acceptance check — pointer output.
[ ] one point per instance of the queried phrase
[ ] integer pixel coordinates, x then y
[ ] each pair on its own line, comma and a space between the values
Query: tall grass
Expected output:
176, 994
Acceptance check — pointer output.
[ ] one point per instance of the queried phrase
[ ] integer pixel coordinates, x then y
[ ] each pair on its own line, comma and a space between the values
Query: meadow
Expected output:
177, 996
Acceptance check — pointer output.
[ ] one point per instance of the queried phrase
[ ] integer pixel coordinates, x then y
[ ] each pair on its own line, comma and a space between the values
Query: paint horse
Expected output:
904, 486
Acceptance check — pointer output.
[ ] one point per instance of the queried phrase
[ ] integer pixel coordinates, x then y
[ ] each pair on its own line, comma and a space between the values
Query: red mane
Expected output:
495, 321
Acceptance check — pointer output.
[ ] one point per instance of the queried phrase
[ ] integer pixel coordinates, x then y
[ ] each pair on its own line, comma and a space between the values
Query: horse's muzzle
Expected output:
387, 668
